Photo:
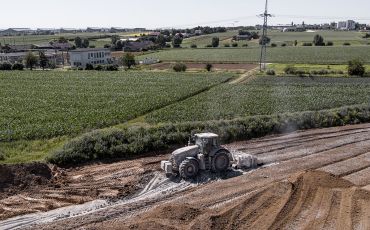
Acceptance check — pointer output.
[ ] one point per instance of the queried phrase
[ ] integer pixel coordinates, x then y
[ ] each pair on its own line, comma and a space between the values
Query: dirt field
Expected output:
166, 65
316, 179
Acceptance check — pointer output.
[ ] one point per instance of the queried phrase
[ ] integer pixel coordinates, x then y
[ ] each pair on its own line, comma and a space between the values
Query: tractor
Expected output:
205, 154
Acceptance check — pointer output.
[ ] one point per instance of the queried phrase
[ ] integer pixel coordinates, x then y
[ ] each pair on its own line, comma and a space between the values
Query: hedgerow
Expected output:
135, 141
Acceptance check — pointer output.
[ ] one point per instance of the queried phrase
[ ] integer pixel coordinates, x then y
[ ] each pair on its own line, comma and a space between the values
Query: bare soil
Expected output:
315, 179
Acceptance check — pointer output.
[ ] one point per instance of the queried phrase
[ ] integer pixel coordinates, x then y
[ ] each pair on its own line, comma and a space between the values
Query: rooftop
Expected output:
206, 135
89, 50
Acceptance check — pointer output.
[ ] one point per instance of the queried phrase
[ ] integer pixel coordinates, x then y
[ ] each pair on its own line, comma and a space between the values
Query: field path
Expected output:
316, 179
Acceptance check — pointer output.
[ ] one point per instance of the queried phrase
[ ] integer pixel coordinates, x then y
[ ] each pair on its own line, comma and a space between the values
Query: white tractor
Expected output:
206, 154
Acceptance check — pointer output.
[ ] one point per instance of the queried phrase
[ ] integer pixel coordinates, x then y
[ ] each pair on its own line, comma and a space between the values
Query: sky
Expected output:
170, 13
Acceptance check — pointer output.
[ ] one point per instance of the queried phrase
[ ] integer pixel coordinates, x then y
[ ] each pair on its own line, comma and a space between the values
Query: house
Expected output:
68, 30
198, 32
94, 56
243, 38
148, 61
12, 57
138, 46
117, 30
346, 25
16, 31
153, 34
17, 48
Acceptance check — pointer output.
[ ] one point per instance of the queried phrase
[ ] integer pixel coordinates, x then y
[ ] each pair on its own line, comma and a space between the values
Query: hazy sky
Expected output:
172, 13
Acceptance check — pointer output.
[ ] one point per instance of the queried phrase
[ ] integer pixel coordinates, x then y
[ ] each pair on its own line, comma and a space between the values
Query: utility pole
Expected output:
265, 16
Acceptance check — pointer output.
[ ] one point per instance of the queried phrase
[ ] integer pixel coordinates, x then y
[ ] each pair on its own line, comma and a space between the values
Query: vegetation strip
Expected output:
135, 141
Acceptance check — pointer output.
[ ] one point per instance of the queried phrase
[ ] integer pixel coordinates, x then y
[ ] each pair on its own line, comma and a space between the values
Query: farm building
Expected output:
12, 57
16, 31
243, 38
94, 56
138, 46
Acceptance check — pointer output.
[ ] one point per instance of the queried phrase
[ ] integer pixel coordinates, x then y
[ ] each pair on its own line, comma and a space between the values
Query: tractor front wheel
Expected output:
189, 168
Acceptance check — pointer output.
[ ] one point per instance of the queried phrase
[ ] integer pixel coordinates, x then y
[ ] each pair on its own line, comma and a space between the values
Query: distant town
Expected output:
96, 46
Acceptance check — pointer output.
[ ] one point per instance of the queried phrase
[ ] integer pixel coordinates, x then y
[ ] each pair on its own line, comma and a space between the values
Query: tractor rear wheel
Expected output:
189, 168
221, 162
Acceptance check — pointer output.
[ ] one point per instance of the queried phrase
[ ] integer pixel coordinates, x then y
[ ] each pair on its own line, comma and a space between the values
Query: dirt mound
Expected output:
15, 178
311, 199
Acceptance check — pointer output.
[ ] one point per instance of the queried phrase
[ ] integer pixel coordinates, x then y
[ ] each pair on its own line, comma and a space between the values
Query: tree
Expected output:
356, 68
115, 39
264, 41
161, 41
176, 41
215, 42
209, 67
295, 43
62, 40
318, 40
43, 60
31, 60
78, 42
85, 43
128, 60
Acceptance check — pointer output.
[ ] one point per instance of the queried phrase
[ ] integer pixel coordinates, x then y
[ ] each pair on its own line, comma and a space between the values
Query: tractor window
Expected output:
215, 142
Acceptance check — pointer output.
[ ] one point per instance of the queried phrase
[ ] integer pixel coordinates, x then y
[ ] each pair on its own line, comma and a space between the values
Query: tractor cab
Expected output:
207, 142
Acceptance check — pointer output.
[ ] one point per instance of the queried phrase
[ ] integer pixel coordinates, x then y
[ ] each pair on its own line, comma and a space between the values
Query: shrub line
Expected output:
128, 142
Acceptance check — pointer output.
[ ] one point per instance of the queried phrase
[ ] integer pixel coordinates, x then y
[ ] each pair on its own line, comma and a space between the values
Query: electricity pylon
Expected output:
264, 38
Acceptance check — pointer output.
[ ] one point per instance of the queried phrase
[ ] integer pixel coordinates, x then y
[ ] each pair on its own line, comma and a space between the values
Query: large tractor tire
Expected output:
189, 168
220, 162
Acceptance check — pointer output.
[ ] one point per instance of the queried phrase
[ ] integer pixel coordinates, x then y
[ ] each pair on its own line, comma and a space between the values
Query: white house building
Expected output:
94, 56
346, 25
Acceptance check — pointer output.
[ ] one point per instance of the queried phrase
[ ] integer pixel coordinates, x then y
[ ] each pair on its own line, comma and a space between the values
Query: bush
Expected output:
167, 46
307, 44
2, 156
194, 46
235, 44
179, 67
227, 45
273, 45
283, 45
208, 46
89, 67
290, 69
209, 67
5, 66
18, 66
271, 72
318, 40
215, 42
346, 44
111, 68
329, 43
129, 142
99, 68
245, 45
356, 68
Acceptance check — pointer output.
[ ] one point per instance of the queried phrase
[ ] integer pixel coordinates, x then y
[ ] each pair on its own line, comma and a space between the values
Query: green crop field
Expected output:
267, 95
308, 36
45, 104
203, 40
306, 55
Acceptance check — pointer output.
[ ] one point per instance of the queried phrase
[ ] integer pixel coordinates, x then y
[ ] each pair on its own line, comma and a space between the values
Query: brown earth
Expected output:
166, 65
315, 179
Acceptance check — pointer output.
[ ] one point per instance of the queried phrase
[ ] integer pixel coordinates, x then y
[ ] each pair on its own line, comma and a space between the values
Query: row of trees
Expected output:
30, 62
